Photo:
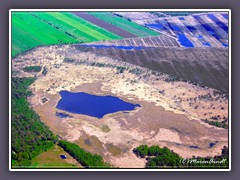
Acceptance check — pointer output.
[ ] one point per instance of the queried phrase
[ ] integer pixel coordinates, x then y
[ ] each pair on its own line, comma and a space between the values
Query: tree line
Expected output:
30, 136
86, 159
165, 158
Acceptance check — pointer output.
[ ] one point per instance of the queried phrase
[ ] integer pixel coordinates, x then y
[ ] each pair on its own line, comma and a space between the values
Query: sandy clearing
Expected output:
164, 119
166, 135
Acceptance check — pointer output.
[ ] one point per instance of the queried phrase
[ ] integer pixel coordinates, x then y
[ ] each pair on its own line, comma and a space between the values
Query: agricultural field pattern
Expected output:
119, 89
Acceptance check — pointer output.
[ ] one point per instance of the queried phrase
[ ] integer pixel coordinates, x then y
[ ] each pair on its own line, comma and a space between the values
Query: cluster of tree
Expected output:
121, 69
165, 158
158, 157
136, 71
30, 136
32, 68
221, 124
86, 159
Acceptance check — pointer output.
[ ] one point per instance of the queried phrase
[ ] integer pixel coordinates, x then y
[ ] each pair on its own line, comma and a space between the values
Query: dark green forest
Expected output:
30, 136
165, 158
86, 159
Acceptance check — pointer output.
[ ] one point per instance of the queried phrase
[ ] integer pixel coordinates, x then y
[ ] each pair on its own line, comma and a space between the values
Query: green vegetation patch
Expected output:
125, 24
114, 150
32, 68
30, 136
52, 159
32, 29
221, 124
86, 159
105, 128
165, 158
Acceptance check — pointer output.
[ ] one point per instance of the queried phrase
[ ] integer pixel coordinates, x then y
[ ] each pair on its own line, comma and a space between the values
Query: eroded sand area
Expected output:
161, 120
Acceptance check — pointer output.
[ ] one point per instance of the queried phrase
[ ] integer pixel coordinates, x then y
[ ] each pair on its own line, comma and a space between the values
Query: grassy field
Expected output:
31, 29
51, 159
125, 24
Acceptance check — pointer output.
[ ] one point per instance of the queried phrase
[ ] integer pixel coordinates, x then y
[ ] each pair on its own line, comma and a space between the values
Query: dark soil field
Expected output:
105, 25
208, 67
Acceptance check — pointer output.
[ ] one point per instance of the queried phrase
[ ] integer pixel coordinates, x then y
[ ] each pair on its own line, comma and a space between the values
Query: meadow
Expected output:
51, 158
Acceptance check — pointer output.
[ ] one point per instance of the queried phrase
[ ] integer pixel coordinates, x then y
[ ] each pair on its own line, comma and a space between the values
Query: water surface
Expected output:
92, 105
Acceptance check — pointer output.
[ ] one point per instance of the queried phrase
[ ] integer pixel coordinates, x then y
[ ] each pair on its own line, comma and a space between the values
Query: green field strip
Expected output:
79, 34
28, 32
42, 31
84, 26
32, 29
111, 35
18, 37
122, 23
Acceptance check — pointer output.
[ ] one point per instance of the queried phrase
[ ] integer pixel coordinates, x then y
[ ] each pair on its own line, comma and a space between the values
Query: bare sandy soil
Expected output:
165, 117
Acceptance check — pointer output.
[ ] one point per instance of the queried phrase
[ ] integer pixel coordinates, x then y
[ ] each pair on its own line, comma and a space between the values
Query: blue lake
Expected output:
92, 105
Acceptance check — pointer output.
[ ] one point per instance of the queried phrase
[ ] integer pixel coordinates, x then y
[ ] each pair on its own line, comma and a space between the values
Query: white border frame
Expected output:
121, 10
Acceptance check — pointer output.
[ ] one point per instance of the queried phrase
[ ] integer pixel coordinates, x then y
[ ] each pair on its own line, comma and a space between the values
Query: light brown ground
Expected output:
161, 120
